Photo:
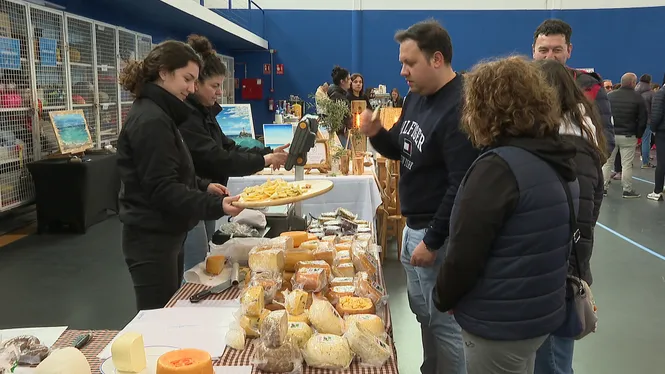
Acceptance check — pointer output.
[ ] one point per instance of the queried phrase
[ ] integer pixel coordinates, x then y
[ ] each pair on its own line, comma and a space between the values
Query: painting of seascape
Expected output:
71, 131
235, 120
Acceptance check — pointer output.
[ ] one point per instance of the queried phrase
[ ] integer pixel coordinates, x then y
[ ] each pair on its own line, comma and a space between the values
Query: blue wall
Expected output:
310, 43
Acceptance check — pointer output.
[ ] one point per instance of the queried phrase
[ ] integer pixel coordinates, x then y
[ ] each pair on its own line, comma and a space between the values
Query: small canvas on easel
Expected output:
71, 131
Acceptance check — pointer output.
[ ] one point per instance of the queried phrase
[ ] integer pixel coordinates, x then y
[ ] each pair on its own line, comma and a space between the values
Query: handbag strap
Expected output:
575, 232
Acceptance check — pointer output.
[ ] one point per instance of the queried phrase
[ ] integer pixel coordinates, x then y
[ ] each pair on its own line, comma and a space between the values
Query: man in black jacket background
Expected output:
630, 118
657, 125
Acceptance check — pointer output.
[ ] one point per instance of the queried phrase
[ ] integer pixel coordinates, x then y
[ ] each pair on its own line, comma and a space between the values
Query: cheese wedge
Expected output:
128, 353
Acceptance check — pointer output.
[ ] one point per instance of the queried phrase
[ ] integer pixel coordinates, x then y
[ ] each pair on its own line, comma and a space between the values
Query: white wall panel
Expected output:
437, 4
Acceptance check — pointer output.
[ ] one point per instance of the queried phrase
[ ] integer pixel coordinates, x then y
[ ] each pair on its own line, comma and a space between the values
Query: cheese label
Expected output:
378, 287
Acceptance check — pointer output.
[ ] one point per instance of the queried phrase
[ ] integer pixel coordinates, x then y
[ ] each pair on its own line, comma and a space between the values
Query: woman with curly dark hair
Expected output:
505, 271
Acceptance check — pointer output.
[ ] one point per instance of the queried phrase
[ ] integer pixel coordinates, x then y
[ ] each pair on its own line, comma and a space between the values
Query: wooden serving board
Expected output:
318, 187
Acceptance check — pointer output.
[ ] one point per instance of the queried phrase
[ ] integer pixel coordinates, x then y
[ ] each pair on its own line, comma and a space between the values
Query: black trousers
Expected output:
155, 261
660, 163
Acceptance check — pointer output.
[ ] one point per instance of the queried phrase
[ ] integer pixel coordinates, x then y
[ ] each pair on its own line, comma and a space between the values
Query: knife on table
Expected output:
212, 291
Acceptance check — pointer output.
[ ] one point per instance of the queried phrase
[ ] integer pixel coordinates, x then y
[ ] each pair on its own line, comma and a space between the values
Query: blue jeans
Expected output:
646, 146
443, 349
555, 356
196, 244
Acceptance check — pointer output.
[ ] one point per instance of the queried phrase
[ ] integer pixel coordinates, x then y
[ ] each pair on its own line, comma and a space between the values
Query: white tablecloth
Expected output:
357, 193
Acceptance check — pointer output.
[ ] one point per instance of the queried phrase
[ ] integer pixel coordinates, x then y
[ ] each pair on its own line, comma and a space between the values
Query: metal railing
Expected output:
246, 14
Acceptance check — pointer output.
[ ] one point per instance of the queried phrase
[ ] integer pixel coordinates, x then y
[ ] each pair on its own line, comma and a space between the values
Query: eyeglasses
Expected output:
608, 88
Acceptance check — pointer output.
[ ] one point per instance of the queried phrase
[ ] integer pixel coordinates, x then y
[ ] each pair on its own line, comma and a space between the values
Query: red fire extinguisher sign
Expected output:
280, 69
267, 69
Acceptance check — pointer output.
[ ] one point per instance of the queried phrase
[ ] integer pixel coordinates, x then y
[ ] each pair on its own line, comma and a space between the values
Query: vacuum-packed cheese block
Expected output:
128, 353
294, 256
288, 275
335, 293
315, 264
328, 351
270, 281
215, 264
252, 301
64, 361
371, 322
324, 317
299, 333
311, 236
309, 245
365, 261
371, 350
366, 287
342, 281
252, 325
343, 257
298, 237
344, 270
283, 359
235, 337
325, 252
346, 239
310, 279
332, 239
296, 301
283, 242
355, 305
342, 247
274, 328
268, 260
185, 361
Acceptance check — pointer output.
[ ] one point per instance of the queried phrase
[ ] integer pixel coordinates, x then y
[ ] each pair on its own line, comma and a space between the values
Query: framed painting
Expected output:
236, 121
71, 131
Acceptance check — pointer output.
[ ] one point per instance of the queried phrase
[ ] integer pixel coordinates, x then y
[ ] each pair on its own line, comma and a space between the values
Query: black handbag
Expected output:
581, 317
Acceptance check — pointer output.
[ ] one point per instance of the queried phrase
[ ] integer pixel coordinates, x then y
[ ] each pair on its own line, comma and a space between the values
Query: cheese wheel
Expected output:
268, 260
371, 322
342, 281
304, 318
215, 264
185, 361
128, 353
371, 350
283, 359
310, 279
274, 328
283, 242
294, 256
327, 351
309, 245
296, 301
344, 270
355, 305
299, 333
324, 317
64, 361
298, 237
252, 301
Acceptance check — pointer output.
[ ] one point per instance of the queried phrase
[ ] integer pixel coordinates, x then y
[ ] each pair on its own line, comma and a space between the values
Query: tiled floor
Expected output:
81, 281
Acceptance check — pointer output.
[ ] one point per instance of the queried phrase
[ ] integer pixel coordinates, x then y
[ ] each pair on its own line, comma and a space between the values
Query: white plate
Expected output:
152, 354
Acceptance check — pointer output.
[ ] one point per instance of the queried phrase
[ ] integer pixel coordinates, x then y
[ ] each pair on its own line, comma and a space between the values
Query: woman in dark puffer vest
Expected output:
581, 127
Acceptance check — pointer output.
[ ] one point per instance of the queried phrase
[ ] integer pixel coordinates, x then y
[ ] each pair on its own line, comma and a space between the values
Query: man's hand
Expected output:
422, 257
281, 149
368, 126
275, 160
218, 189
230, 209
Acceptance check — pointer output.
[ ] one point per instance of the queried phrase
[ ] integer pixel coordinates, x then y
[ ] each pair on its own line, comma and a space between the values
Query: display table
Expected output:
357, 193
75, 194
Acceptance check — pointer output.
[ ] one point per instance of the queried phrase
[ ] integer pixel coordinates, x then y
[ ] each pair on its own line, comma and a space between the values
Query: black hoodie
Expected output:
491, 184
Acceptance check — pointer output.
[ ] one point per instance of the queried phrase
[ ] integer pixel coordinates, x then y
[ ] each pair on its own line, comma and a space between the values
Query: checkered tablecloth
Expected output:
231, 357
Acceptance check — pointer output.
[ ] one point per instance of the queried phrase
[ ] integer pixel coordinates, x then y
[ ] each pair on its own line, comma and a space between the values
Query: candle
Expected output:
358, 120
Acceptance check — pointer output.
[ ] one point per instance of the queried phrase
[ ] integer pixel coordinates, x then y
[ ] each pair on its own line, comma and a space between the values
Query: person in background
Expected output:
580, 126
434, 156
339, 92
616, 86
644, 89
357, 90
321, 93
161, 198
396, 101
216, 157
505, 270
655, 87
657, 125
630, 119
552, 40
607, 83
